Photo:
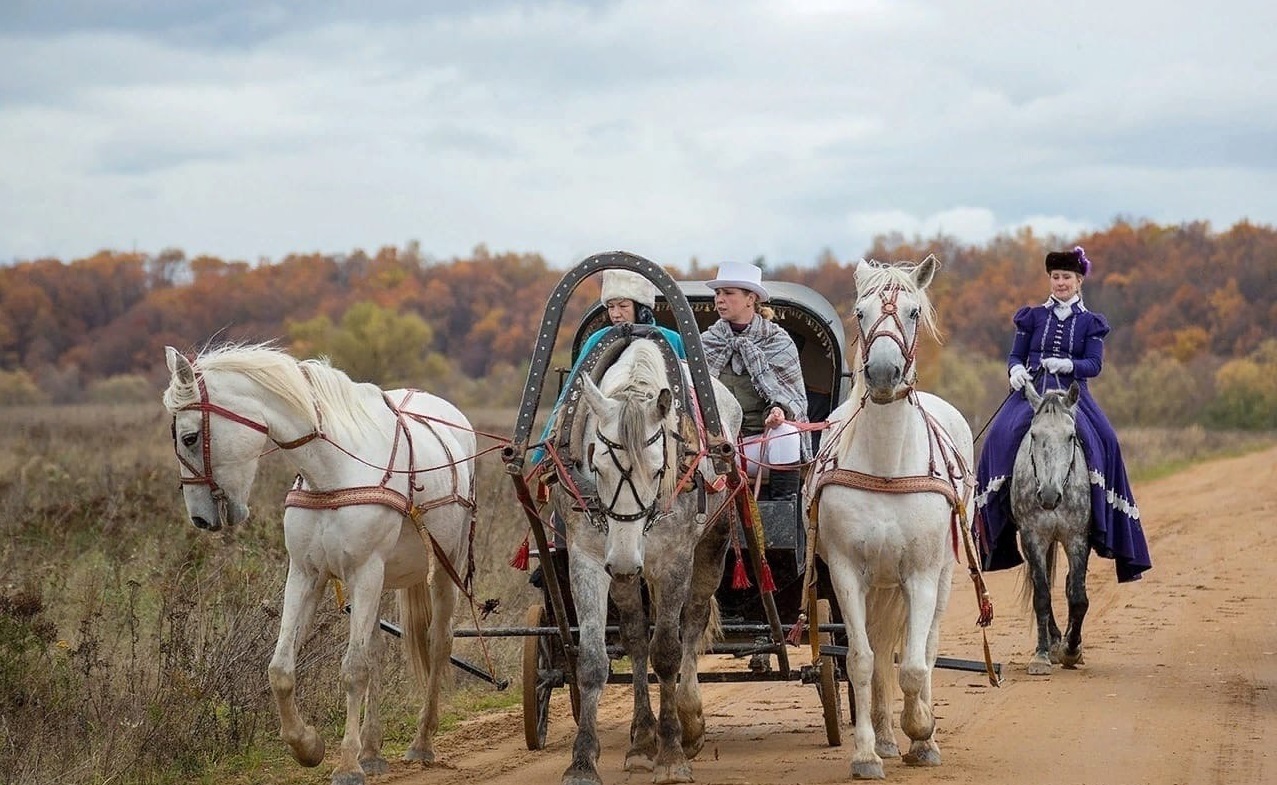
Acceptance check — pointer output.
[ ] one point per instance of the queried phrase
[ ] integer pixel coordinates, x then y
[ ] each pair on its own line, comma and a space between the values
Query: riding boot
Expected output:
784, 484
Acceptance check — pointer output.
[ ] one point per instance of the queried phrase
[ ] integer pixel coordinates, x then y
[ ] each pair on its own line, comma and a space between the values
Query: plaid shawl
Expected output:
766, 352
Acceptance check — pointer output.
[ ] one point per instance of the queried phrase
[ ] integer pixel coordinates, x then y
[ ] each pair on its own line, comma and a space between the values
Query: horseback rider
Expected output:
758, 361
1057, 343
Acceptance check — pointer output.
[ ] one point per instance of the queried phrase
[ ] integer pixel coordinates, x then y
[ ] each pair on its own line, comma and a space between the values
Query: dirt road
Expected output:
1179, 685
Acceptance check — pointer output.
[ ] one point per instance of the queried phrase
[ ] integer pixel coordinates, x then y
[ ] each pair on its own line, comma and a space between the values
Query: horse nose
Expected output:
623, 573
1049, 499
202, 523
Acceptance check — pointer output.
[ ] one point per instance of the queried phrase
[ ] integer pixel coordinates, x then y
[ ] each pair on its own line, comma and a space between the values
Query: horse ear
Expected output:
179, 366
926, 271
1074, 393
664, 399
593, 396
1031, 392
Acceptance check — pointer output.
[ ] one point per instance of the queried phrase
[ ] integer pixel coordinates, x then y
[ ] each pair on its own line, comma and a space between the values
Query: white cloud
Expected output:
672, 129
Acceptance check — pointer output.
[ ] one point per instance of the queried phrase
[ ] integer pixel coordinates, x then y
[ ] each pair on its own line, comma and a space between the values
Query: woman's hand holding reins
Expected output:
1019, 376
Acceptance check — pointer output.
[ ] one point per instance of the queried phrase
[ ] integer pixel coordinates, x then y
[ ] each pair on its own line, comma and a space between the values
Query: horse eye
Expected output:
915, 312
860, 314
190, 439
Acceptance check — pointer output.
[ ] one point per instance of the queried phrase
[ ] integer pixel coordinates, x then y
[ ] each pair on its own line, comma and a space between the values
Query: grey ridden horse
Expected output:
884, 486
645, 533
1051, 503
373, 466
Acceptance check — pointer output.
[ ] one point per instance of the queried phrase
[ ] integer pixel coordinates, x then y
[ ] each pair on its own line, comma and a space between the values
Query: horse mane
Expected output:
635, 379
316, 390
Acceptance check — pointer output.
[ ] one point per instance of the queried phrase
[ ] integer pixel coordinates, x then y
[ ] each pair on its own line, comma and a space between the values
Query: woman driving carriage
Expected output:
1057, 343
758, 361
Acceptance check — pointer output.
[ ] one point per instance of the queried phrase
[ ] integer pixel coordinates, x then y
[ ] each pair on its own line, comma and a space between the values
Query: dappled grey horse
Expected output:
1051, 503
644, 533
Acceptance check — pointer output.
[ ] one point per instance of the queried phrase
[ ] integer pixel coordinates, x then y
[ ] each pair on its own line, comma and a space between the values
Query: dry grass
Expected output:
134, 647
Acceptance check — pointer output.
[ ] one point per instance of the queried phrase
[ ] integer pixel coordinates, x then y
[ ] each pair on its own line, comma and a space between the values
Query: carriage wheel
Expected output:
827, 687
537, 683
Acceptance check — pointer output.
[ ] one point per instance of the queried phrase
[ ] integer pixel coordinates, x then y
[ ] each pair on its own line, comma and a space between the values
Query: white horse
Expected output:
884, 486
644, 534
380, 475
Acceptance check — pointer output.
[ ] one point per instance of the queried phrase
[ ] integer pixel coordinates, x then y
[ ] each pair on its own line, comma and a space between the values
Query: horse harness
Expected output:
381, 494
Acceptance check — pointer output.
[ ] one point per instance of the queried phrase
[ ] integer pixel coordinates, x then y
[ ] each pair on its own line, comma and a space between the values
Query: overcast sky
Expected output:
250, 129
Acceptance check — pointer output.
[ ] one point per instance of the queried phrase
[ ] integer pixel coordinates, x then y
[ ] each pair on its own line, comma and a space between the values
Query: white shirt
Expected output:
1062, 310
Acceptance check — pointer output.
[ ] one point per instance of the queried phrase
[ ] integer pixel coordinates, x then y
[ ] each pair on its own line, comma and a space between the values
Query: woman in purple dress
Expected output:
1057, 343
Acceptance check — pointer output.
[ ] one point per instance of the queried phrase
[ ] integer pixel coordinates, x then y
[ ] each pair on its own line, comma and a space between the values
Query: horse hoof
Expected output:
1040, 667
578, 775
424, 757
886, 749
309, 751
1071, 661
639, 762
922, 753
867, 770
692, 747
374, 766
681, 772
348, 778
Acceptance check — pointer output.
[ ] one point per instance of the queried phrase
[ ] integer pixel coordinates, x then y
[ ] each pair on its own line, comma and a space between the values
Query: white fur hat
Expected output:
629, 285
738, 275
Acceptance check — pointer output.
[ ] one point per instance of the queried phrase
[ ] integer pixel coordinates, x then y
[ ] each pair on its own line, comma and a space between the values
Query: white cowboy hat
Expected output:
629, 285
738, 275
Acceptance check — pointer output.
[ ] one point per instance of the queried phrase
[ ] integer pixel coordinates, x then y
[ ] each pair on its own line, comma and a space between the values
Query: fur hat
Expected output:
738, 275
1074, 261
628, 285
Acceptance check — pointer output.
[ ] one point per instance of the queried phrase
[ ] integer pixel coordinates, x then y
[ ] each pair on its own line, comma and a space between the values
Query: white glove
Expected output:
1057, 364
1020, 376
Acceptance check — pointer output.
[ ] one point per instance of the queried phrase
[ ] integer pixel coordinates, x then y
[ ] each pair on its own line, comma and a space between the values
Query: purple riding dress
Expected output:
1116, 532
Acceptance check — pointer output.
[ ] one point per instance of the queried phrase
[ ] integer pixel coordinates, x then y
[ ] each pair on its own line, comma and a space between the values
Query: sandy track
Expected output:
1178, 685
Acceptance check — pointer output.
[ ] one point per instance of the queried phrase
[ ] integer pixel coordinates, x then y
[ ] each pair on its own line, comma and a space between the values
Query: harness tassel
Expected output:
740, 580
520, 560
765, 581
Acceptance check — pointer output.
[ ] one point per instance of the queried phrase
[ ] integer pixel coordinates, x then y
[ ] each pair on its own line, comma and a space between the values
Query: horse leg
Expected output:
865, 762
371, 734
427, 611
882, 638
628, 596
301, 596
1037, 561
365, 588
700, 627
589, 591
668, 601
917, 719
1079, 553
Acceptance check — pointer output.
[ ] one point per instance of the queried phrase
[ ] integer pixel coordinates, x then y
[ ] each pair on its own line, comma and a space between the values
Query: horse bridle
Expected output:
648, 511
206, 408
890, 310
1076, 447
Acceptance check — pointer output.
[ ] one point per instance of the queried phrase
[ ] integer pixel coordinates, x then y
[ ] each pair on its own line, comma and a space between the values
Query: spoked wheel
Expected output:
538, 681
830, 697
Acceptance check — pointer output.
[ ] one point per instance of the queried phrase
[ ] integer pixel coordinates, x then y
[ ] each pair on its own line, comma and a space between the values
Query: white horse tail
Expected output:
887, 617
416, 611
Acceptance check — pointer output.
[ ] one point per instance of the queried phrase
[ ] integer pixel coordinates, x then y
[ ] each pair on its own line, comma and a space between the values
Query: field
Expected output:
133, 647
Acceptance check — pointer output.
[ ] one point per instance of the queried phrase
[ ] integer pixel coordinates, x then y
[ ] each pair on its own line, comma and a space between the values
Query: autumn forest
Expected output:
1193, 312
